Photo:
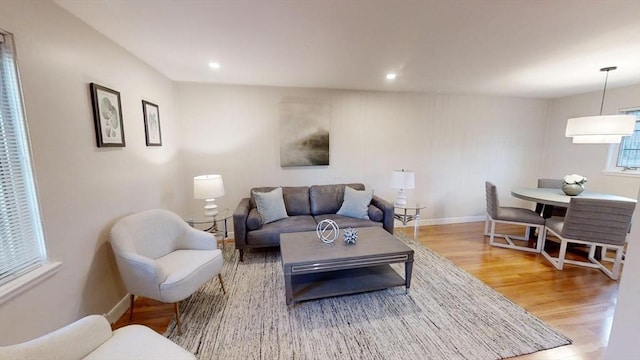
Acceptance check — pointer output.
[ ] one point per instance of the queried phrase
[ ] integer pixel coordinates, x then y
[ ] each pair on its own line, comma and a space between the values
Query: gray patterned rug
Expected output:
449, 314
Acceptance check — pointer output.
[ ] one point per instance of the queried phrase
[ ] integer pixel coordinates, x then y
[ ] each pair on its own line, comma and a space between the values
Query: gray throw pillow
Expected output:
270, 205
356, 203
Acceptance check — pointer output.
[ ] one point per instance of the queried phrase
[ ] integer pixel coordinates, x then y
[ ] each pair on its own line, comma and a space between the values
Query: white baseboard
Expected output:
443, 221
116, 312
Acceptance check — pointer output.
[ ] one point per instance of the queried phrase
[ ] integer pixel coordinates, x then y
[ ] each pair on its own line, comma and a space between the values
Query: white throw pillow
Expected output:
270, 205
356, 203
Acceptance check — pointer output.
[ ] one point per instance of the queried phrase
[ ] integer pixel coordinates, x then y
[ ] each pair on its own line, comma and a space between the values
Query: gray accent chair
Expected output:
592, 223
510, 215
547, 210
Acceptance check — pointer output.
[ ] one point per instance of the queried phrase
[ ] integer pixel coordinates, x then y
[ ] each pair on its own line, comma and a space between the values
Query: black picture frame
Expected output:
151, 114
107, 116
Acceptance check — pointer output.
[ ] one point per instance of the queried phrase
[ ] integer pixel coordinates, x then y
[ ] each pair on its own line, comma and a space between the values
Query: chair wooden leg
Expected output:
224, 291
176, 306
131, 303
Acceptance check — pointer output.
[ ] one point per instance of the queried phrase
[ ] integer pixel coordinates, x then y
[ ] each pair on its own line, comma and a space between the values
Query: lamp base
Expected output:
210, 207
401, 200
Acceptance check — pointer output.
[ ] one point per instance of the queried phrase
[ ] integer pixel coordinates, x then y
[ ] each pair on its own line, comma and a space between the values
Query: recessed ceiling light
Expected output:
214, 65
391, 76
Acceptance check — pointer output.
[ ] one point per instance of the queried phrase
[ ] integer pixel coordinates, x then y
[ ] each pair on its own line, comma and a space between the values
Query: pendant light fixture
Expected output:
600, 129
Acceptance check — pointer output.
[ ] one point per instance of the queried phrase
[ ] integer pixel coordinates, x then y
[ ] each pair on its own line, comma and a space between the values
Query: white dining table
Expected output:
556, 197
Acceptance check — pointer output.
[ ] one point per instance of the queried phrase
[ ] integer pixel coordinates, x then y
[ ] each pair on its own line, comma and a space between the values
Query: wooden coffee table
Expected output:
313, 269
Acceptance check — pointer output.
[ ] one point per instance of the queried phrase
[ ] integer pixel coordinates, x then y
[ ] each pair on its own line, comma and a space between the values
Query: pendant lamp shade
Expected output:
600, 129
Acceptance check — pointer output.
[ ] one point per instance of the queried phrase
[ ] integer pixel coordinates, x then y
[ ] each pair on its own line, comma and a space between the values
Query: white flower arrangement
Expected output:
575, 179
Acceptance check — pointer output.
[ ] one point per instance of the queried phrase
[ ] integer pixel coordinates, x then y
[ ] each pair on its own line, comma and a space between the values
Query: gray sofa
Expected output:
306, 206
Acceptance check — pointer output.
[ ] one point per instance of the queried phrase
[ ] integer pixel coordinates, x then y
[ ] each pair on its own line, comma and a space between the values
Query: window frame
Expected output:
611, 167
26, 274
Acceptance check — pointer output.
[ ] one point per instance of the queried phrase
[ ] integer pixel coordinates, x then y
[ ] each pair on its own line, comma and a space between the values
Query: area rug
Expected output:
448, 314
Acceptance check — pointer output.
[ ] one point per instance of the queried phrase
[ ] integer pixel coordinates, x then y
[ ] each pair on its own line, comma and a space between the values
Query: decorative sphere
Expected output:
350, 236
327, 231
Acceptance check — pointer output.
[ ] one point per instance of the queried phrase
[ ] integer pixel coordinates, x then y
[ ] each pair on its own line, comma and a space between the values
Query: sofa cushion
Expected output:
296, 200
356, 203
269, 234
270, 205
327, 199
254, 220
346, 221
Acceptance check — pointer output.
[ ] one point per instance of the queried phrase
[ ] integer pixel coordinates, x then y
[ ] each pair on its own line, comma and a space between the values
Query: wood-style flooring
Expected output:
579, 302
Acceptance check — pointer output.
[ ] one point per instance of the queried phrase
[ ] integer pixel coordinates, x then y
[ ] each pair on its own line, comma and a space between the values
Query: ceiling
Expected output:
543, 48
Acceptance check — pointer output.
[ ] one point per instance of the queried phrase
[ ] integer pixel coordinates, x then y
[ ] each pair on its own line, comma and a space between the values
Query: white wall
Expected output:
563, 157
83, 189
623, 343
454, 143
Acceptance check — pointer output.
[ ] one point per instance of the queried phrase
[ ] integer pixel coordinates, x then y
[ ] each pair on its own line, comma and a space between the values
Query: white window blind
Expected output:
21, 240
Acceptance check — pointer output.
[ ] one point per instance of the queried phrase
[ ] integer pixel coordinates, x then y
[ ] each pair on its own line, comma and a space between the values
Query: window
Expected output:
21, 241
629, 152
624, 158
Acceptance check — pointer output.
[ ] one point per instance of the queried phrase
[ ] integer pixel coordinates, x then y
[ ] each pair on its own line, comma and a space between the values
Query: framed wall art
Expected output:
304, 132
151, 123
107, 116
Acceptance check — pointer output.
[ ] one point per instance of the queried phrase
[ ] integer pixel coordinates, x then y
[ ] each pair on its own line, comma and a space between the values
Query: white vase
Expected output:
572, 189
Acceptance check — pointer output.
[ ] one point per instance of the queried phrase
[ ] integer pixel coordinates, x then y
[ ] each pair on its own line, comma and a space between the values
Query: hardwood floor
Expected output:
578, 302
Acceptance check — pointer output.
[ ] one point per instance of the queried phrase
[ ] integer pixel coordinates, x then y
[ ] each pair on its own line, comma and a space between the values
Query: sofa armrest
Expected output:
388, 211
74, 341
240, 222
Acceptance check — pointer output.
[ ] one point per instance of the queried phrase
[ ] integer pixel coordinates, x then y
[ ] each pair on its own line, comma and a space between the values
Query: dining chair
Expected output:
548, 210
594, 223
510, 215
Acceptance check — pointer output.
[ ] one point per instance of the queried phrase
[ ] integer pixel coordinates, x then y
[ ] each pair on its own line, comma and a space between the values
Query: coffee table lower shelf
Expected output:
343, 282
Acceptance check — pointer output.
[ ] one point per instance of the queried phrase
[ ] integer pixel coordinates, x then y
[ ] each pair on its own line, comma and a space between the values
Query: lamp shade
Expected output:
597, 139
208, 187
403, 179
620, 125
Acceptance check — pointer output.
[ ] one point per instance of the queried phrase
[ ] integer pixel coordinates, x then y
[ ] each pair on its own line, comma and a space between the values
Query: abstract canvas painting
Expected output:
304, 132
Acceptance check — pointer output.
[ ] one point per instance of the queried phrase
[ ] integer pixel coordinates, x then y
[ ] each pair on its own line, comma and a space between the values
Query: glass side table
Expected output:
216, 225
403, 213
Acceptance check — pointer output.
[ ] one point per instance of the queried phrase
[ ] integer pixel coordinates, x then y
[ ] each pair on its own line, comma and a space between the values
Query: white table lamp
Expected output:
402, 180
208, 187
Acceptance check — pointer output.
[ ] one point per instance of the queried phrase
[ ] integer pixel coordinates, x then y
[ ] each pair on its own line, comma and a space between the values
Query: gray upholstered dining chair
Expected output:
543, 209
510, 215
161, 257
593, 223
